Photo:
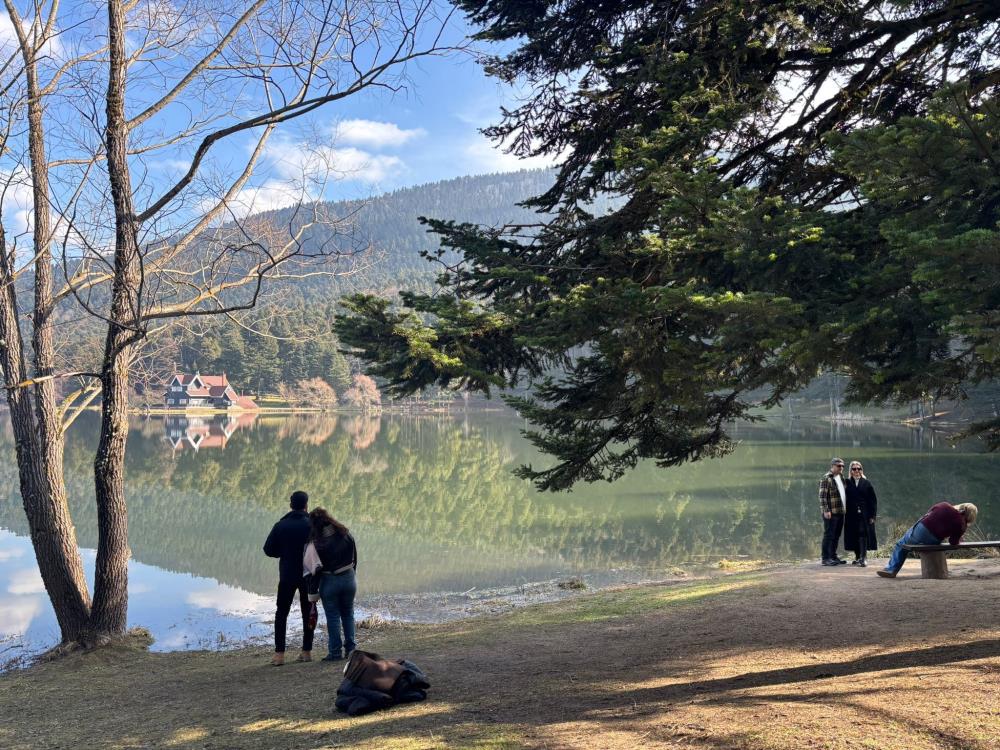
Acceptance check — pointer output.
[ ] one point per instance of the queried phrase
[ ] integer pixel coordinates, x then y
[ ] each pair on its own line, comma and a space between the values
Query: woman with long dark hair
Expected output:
332, 558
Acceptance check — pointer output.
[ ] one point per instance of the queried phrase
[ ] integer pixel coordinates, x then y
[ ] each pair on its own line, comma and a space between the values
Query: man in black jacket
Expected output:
287, 542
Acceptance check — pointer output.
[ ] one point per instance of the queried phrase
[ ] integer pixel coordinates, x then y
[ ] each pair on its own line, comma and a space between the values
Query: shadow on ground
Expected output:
785, 659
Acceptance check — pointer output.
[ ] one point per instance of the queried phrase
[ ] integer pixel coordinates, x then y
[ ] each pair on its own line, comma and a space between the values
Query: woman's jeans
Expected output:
918, 534
337, 594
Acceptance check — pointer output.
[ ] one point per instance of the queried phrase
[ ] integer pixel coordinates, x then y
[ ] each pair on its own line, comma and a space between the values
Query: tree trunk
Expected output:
933, 565
42, 492
110, 610
38, 434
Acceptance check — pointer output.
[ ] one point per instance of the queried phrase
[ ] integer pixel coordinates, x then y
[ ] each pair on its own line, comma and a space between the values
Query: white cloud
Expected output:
134, 589
303, 172
25, 581
8, 38
269, 196
481, 156
481, 110
229, 599
301, 162
354, 164
16, 201
374, 134
10, 554
18, 210
17, 613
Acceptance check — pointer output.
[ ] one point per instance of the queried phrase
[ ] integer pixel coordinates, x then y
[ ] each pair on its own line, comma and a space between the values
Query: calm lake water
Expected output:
438, 517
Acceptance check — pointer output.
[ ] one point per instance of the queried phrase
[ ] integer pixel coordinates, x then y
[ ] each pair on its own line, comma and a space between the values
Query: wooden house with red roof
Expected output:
186, 391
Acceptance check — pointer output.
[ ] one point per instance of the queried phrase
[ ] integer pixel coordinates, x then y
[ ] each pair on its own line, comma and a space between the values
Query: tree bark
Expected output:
52, 534
933, 565
38, 433
110, 610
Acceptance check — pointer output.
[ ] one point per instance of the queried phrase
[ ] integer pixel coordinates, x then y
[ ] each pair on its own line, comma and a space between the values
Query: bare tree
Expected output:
35, 414
140, 246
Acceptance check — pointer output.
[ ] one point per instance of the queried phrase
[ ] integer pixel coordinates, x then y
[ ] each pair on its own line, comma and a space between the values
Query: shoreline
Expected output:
947, 427
415, 610
729, 661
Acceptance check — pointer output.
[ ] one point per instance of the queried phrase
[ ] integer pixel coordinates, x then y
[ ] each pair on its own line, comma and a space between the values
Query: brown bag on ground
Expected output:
372, 672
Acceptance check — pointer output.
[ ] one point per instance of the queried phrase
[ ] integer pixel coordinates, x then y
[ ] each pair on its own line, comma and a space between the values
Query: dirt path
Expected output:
801, 657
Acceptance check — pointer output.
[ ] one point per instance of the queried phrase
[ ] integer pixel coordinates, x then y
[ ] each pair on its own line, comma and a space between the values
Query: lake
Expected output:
441, 523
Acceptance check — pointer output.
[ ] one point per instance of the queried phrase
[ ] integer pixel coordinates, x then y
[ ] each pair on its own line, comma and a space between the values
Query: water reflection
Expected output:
197, 433
435, 508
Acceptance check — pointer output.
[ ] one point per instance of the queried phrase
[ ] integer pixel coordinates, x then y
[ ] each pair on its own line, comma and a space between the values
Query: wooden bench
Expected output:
933, 560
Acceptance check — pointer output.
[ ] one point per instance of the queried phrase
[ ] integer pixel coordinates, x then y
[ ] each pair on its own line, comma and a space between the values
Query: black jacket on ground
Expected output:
370, 688
861, 500
287, 542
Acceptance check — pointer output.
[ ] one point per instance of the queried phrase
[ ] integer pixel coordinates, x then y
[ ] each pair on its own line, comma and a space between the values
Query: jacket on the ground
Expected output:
286, 541
372, 682
861, 501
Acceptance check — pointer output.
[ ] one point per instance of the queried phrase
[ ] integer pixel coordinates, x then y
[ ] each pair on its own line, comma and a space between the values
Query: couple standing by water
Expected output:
317, 560
849, 506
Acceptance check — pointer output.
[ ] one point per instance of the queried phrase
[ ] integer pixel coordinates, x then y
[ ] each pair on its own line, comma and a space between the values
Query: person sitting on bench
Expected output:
942, 521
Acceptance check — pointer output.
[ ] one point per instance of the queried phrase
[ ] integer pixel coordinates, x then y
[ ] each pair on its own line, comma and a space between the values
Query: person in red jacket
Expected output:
942, 521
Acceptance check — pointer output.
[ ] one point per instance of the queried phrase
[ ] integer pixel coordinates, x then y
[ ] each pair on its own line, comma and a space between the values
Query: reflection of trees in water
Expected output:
364, 430
310, 429
364, 464
435, 506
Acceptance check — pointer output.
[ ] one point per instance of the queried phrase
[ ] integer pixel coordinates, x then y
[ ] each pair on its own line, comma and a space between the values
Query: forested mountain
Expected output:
387, 232
289, 337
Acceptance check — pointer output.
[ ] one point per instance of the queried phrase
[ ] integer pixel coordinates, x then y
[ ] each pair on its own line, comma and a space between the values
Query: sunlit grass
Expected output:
358, 731
629, 602
183, 736
459, 737
341, 722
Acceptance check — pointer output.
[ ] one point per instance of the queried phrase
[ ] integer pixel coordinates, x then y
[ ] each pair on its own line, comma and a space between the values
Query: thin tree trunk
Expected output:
52, 533
110, 610
38, 434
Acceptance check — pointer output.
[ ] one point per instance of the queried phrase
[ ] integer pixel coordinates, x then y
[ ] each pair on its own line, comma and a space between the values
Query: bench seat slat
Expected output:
946, 547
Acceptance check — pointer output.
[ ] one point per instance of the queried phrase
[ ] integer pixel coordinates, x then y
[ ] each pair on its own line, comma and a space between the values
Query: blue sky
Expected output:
427, 132
371, 142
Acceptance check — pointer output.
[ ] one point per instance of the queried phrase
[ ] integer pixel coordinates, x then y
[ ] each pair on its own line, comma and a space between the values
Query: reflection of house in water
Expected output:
210, 432
199, 391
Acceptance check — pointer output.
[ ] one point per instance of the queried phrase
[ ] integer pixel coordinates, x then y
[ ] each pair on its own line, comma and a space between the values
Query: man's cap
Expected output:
836, 462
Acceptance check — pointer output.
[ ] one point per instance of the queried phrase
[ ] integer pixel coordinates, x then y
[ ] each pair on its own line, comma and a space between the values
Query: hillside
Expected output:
388, 226
296, 314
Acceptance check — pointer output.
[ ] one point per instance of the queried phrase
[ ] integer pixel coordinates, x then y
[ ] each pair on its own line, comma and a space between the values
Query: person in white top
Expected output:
832, 504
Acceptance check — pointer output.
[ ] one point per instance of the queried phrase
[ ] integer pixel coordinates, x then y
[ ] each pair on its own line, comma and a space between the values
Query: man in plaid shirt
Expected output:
832, 502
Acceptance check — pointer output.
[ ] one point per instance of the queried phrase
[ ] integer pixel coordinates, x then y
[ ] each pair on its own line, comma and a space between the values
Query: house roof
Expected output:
186, 378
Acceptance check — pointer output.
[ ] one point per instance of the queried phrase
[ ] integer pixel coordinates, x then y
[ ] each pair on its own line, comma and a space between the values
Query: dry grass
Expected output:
734, 566
803, 657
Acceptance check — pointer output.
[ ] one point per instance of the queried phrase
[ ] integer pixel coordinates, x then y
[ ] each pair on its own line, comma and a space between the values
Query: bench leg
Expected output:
933, 565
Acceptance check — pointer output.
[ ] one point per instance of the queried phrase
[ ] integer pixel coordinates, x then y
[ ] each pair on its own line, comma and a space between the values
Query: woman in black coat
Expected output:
859, 523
